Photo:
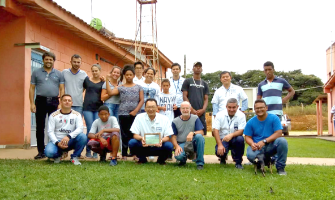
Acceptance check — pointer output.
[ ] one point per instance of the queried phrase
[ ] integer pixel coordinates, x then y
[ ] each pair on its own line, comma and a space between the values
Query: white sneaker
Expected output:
151, 158
75, 161
57, 160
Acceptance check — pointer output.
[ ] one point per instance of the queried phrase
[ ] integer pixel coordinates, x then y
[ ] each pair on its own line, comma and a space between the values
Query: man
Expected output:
227, 91
196, 92
263, 134
228, 129
151, 122
139, 68
74, 79
176, 85
65, 132
271, 90
104, 135
48, 82
332, 116
188, 128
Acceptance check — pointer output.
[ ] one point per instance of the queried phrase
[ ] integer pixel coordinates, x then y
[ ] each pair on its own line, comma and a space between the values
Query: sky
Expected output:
228, 35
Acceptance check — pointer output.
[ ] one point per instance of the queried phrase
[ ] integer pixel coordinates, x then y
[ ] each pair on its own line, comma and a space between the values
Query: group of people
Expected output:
125, 106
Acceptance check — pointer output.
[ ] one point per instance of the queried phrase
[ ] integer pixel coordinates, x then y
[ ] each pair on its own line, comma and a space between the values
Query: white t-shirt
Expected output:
167, 100
143, 124
333, 111
136, 80
99, 125
175, 87
222, 95
225, 125
61, 125
150, 90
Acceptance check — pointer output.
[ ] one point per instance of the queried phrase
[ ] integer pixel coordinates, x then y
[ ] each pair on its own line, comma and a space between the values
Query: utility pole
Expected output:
185, 66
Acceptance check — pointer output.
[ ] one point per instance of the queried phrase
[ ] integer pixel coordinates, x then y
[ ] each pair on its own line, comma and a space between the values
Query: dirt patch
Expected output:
306, 123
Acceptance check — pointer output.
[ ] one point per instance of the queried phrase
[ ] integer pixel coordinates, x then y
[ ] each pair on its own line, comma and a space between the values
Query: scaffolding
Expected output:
146, 46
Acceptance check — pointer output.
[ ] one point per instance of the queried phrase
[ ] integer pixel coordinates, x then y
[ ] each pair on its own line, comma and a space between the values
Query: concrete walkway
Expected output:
30, 153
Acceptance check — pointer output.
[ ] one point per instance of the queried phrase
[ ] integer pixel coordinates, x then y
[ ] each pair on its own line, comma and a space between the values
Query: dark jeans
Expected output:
44, 106
141, 152
203, 121
236, 145
125, 123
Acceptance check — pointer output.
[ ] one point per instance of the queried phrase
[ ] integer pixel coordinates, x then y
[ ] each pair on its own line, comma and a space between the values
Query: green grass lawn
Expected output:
28, 179
297, 147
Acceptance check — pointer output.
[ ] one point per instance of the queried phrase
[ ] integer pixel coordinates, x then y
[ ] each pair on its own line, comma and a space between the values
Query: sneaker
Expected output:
239, 166
181, 163
223, 161
200, 167
95, 155
39, 156
75, 161
281, 172
113, 162
57, 160
151, 158
102, 158
88, 155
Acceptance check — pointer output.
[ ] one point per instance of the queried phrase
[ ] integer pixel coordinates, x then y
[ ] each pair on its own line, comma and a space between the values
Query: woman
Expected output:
150, 88
112, 102
92, 101
131, 101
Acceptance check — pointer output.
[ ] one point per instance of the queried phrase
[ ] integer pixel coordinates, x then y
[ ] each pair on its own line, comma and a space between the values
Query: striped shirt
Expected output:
271, 92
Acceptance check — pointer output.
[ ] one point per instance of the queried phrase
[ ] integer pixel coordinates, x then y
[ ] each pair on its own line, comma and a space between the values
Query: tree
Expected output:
303, 84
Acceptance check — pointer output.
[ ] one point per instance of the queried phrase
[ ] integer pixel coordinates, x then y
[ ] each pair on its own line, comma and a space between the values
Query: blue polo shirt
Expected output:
47, 85
271, 92
260, 130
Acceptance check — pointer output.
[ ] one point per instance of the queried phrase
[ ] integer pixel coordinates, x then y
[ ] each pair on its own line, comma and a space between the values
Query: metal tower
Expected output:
146, 47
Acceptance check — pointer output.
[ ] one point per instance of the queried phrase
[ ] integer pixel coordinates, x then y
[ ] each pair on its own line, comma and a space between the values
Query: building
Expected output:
27, 29
329, 87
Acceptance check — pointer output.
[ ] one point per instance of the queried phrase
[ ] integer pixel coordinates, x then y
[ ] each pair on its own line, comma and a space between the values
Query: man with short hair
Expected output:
271, 90
196, 92
49, 83
227, 91
65, 132
263, 133
188, 128
151, 122
74, 79
176, 84
139, 68
228, 129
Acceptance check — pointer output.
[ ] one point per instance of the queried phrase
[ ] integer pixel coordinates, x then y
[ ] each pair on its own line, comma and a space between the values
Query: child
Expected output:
104, 135
166, 101
131, 101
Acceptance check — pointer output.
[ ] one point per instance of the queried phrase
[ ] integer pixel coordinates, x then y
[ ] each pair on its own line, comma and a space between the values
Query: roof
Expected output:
321, 97
69, 21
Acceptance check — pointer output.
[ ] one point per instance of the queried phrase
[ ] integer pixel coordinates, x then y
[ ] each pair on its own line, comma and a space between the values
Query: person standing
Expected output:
74, 79
139, 68
92, 101
150, 88
176, 84
112, 102
227, 91
196, 92
271, 90
166, 101
131, 101
49, 83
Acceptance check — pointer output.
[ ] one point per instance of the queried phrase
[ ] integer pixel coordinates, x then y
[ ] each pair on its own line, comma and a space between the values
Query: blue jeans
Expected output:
113, 109
236, 145
141, 152
78, 144
89, 117
78, 109
278, 147
199, 147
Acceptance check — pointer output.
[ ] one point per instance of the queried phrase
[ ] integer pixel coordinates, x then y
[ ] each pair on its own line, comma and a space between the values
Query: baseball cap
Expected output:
197, 63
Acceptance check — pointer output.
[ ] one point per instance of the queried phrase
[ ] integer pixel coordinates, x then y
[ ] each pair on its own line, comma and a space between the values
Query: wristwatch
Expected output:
265, 142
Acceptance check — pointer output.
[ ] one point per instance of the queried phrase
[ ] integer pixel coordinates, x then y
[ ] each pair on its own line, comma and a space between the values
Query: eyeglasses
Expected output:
260, 108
